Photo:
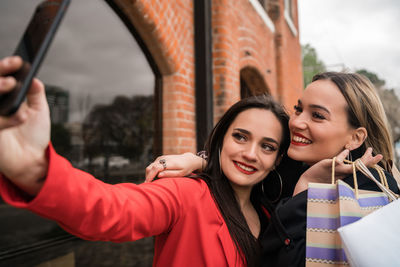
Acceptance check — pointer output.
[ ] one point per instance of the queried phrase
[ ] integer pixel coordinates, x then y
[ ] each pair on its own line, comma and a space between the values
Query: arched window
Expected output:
104, 95
252, 83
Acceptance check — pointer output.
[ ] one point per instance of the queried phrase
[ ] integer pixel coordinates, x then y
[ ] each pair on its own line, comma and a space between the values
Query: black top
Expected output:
284, 239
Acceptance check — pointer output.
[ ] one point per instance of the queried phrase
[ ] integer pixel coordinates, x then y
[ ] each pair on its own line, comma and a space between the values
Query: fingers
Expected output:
173, 165
7, 84
166, 166
171, 173
153, 170
36, 99
16, 119
341, 168
36, 96
9, 65
342, 156
369, 160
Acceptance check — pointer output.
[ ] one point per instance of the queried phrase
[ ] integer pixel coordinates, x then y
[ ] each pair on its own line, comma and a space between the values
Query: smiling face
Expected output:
250, 147
319, 127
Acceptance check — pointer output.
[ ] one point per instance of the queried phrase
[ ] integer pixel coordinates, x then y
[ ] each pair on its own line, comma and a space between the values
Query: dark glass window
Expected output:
252, 83
264, 3
101, 92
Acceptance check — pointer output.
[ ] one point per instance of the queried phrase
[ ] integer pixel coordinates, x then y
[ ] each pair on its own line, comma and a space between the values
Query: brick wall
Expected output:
288, 58
242, 40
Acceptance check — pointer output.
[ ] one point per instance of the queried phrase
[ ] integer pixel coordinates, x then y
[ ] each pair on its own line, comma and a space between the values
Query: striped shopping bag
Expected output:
330, 206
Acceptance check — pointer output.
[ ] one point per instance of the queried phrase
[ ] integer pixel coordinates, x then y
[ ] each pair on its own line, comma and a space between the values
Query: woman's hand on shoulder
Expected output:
174, 166
321, 172
24, 136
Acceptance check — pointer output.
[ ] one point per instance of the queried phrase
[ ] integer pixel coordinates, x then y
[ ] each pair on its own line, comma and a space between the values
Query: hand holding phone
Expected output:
32, 49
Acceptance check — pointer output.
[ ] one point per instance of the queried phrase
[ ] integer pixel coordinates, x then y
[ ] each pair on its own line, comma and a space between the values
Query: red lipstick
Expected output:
243, 170
299, 143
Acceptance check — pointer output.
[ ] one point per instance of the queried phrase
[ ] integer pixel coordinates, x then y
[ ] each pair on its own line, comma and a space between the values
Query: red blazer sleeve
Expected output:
93, 210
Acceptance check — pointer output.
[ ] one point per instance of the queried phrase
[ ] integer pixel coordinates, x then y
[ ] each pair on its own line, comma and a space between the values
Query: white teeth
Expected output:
246, 168
299, 139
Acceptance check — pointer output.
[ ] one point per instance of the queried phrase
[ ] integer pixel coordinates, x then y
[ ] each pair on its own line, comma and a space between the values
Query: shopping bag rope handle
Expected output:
358, 164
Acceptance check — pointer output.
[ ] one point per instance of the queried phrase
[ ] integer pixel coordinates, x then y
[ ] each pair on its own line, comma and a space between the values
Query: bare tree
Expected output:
123, 128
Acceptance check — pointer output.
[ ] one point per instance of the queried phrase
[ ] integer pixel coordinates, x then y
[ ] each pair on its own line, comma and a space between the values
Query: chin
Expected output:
300, 156
295, 155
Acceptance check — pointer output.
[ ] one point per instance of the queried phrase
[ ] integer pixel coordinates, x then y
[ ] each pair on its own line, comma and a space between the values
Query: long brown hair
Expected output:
247, 245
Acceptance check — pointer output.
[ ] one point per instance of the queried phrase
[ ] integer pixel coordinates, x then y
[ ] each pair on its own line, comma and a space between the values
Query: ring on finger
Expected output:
163, 162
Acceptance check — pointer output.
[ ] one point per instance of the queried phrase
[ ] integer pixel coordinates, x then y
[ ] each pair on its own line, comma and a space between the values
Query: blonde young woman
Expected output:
339, 114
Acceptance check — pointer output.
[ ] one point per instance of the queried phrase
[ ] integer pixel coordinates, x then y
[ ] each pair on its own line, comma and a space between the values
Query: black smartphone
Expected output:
32, 49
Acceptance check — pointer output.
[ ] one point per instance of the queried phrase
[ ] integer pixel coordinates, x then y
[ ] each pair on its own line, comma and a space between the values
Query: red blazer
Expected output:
181, 213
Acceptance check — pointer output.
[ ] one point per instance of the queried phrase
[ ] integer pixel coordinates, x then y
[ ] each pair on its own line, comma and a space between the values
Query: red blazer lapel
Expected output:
231, 255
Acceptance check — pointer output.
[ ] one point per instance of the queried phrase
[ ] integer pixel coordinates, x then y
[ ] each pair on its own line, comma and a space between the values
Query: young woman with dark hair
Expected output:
219, 167
214, 219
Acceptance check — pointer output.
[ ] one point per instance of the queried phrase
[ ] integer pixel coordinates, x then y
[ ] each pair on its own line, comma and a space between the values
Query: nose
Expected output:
250, 152
298, 121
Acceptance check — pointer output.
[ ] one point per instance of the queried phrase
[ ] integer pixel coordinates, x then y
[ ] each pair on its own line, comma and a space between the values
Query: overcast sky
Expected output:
92, 41
355, 33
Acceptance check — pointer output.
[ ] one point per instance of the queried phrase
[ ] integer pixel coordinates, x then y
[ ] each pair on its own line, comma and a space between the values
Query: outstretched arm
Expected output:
25, 135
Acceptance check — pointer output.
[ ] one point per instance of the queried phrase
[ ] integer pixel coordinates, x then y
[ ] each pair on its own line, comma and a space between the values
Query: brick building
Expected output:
242, 47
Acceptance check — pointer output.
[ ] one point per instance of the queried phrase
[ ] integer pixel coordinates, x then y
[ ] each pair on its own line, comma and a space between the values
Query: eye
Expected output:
318, 116
268, 147
239, 137
298, 109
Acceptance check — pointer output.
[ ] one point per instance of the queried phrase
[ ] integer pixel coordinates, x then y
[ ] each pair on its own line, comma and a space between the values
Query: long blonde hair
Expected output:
365, 109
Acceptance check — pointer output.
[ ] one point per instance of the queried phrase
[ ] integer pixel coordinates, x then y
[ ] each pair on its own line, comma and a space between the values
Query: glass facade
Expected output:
101, 92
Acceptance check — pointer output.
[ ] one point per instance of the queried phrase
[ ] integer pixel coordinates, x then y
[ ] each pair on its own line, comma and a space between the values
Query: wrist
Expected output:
301, 185
32, 177
203, 159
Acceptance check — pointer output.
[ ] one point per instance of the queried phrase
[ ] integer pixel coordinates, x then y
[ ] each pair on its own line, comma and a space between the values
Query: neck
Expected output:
250, 214
242, 196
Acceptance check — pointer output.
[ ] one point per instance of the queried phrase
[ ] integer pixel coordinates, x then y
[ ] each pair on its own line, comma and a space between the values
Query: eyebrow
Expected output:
269, 139
315, 106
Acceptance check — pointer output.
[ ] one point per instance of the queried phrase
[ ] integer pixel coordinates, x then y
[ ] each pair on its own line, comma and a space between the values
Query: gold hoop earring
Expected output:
349, 156
280, 185
219, 160
262, 187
